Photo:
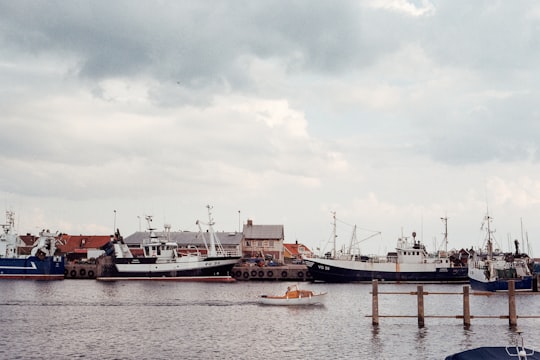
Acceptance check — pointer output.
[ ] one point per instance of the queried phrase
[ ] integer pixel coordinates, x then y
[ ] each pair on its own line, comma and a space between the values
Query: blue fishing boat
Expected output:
43, 262
491, 270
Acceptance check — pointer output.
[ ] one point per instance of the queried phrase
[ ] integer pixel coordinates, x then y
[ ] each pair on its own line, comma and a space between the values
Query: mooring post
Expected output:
466, 307
420, 292
375, 303
512, 316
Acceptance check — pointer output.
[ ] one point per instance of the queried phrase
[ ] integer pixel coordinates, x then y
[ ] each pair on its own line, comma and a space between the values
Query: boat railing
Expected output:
229, 253
518, 350
224, 253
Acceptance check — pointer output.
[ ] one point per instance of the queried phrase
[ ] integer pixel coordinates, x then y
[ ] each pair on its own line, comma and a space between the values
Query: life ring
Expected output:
238, 274
90, 274
246, 275
284, 274
73, 273
261, 273
300, 274
82, 272
308, 274
270, 273
253, 273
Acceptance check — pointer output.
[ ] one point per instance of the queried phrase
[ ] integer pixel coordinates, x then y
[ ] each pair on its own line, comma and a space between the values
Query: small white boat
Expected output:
294, 296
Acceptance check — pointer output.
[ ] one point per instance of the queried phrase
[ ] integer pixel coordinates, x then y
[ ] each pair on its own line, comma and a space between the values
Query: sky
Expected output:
393, 114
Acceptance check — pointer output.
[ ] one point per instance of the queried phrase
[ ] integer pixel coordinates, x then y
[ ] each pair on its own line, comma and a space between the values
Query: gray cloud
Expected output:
262, 102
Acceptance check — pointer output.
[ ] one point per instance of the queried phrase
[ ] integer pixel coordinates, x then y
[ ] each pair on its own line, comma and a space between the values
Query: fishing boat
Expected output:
492, 270
409, 263
162, 258
294, 296
514, 351
43, 262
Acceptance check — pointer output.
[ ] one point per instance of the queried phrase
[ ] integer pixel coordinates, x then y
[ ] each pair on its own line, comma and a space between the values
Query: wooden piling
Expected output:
466, 307
512, 315
375, 303
420, 294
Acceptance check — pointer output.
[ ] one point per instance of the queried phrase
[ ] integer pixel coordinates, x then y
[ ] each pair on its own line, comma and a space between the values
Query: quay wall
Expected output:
241, 272
275, 273
80, 271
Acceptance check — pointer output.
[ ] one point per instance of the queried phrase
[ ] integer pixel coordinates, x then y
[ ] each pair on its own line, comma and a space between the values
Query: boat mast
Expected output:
354, 241
445, 221
212, 235
489, 242
153, 237
334, 234
215, 244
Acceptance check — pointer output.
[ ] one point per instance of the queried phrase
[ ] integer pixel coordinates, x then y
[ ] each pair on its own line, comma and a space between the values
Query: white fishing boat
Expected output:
294, 296
491, 271
162, 258
409, 263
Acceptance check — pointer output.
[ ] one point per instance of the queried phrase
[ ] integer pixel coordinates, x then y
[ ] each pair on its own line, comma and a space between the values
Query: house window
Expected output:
247, 243
270, 243
265, 243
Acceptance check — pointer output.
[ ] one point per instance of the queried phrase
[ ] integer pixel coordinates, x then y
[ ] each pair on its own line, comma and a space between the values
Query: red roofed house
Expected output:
82, 246
296, 251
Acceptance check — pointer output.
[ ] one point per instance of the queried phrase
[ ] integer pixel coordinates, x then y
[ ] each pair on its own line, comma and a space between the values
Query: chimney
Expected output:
250, 222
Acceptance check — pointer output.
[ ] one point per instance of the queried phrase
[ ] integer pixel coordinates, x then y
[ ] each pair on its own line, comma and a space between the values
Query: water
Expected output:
163, 320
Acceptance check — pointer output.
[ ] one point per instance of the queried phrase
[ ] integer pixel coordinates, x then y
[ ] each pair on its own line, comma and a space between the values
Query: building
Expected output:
264, 241
77, 247
296, 252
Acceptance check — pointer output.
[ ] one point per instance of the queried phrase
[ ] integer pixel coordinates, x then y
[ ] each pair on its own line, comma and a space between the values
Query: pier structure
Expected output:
292, 272
512, 315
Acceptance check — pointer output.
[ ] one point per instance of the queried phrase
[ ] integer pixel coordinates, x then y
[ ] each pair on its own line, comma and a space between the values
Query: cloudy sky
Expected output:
391, 113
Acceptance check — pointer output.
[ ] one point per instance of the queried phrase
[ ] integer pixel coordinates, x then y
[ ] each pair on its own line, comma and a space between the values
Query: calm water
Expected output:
155, 320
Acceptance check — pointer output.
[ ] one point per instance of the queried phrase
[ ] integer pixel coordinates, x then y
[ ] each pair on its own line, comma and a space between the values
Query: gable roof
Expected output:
296, 249
185, 237
264, 232
72, 242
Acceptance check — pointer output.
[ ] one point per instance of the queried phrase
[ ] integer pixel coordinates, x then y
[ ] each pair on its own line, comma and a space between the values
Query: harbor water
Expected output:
89, 319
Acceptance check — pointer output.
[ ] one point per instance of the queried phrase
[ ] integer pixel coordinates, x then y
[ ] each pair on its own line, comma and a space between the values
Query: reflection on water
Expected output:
163, 320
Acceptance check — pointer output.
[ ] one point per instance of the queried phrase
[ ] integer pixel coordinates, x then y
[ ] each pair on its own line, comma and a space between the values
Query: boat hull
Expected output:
149, 268
498, 278
317, 299
521, 284
493, 352
32, 268
341, 271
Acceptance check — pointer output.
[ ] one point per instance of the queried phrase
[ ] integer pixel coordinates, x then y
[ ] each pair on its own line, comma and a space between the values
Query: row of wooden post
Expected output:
512, 314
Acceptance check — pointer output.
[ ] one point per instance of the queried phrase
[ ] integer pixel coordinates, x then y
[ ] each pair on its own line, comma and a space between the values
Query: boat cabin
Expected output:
161, 249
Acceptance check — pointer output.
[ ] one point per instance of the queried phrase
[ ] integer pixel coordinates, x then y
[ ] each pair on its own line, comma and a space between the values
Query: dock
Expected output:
466, 316
81, 271
293, 272
221, 279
